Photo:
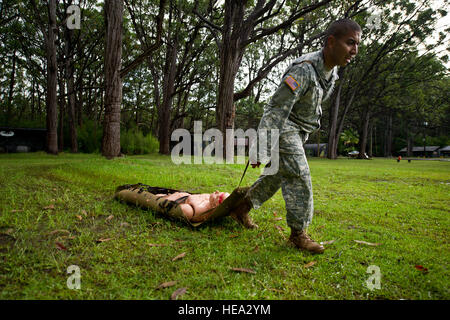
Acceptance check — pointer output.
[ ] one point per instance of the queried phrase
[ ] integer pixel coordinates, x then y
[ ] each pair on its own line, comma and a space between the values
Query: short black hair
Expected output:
339, 28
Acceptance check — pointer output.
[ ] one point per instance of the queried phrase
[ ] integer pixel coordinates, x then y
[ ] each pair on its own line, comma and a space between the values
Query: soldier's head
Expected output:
341, 42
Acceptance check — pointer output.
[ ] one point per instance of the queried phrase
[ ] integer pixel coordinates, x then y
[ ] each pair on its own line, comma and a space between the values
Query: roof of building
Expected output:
420, 149
446, 148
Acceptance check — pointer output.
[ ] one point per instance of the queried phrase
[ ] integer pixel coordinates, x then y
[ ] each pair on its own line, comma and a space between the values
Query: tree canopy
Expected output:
217, 62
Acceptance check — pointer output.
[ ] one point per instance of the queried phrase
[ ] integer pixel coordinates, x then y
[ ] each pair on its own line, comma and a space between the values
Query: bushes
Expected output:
89, 137
133, 141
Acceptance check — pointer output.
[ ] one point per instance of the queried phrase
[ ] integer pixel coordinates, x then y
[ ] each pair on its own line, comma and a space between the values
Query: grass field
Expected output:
55, 209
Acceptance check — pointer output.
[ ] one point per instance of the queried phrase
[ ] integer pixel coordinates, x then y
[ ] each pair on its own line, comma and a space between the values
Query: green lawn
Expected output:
55, 209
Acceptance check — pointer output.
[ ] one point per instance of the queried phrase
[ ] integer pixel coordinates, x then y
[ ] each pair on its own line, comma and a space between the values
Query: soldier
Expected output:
295, 110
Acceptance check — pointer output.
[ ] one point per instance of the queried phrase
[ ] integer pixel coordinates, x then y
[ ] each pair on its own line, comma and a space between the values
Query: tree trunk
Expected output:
79, 106
11, 89
71, 92
33, 98
62, 103
113, 81
229, 66
52, 68
138, 104
333, 138
364, 135
341, 121
388, 142
409, 141
156, 96
370, 151
231, 52
166, 106
39, 100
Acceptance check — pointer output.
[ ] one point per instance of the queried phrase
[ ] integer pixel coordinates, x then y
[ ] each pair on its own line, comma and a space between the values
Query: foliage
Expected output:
90, 137
347, 141
397, 73
133, 141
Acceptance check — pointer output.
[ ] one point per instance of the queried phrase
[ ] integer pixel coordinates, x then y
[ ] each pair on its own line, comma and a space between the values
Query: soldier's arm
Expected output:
294, 84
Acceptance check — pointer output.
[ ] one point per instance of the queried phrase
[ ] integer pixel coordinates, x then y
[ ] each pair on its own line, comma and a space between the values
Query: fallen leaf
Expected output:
274, 213
124, 224
166, 284
157, 244
256, 249
328, 242
181, 255
59, 231
278, 219
104, 239
52, 206
243, 270
14, 211
279, 228
320, 227
60, 246
9, 231
367, 243
234, 236
177, 293
68, 237
421, 268
109, 218
309, 264
79, 217
84, 213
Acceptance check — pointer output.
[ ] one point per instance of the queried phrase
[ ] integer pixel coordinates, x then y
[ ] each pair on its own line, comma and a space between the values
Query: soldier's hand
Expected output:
256, 165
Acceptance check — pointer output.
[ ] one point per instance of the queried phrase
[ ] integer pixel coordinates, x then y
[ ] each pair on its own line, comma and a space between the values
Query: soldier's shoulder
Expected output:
300, 70
304, 63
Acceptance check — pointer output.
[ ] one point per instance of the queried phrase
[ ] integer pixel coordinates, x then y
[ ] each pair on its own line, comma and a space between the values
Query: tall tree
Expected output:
52, 73
113, 80
70, 75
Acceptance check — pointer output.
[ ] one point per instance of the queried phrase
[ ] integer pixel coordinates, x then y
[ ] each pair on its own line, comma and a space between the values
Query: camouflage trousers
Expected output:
293, 177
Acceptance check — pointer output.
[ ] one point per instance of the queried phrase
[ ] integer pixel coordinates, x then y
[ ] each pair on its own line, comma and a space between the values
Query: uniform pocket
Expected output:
294, 165
291, 143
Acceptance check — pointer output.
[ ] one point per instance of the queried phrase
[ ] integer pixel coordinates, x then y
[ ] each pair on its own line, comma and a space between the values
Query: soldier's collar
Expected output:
321, 69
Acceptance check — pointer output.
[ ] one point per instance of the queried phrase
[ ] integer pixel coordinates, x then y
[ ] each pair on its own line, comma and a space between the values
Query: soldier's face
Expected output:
345, 48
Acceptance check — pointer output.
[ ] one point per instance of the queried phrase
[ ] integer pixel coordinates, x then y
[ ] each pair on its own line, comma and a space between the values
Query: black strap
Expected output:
245, 170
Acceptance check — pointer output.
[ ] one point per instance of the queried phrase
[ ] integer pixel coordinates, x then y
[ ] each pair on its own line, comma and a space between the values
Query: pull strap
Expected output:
245, 170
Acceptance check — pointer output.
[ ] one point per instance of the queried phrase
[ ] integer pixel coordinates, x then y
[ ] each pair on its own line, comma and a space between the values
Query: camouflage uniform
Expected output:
295, 109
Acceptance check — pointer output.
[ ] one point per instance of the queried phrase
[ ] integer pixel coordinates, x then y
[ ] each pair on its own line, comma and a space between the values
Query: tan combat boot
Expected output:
240, 213
302, 241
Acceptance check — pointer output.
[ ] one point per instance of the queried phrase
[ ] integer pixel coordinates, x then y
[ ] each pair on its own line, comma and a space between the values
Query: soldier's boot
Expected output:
240, 213
302, 241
